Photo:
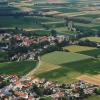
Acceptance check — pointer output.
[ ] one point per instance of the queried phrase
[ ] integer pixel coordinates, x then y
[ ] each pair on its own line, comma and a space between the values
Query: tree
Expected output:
54, 33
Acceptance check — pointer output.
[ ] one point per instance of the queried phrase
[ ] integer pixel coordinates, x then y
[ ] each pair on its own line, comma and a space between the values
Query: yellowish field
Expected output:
90, 79
45, 67
94, 39
26, 9
31, 29
71, 14
51, 13
76, 48
78, 13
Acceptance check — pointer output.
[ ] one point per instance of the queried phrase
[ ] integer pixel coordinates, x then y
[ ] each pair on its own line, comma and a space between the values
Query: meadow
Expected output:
24, 22
20, 68
94, 53
63, 57
93, 39
65, 67
77, 48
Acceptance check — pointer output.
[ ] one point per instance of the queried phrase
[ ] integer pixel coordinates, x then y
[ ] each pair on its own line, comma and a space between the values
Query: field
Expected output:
93, 98
66, 66
3, 56
63, 57
93, 39
19, 68
94, 53
76, 48
64, 30
95, 79
23, 22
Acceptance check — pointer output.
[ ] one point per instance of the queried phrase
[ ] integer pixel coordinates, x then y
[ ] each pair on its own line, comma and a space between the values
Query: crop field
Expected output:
76, 48
3, 56
94, 53
19, 68
93, 98
68, 72
64, 30
93, 39
63, 57
24, 22
66, 67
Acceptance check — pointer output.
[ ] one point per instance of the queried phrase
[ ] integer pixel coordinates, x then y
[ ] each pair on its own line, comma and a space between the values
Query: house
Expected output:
21, 95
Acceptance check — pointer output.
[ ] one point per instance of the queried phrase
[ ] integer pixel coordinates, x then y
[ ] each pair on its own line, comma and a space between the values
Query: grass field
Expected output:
19, 68
63, 57
93, 98
24, 22
93, 39
64, 30
3, 56
76, 48
68, 72
46, 98
66, 67
94, 53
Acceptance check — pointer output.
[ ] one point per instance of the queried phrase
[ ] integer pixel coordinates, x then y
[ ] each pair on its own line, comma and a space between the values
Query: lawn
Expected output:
76, 48
19, 68
93, 39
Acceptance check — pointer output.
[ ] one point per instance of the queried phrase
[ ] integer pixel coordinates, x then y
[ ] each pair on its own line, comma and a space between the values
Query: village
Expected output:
23, 47
12, 88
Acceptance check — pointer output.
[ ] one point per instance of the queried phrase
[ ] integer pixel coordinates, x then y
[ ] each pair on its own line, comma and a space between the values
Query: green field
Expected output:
24, 22
19, 68
66, 67
94, 53
93, 98
46, 98
68, 72
63, 57
93, 39
64, 30
76, 48
3, 56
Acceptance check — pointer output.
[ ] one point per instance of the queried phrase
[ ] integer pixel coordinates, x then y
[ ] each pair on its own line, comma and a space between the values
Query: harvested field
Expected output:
90, 79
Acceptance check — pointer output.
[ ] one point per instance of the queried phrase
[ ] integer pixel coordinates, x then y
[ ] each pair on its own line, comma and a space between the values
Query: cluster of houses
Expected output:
11, 41
13, 88
38, 39
20, 40
27, 41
